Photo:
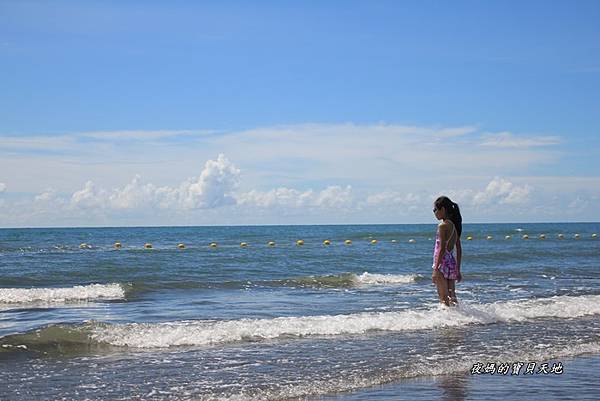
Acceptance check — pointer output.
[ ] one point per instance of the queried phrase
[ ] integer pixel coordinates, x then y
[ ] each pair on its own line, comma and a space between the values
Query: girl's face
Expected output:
440, 213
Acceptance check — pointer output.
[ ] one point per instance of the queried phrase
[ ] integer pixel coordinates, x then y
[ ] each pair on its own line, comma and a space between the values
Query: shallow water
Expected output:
283, 321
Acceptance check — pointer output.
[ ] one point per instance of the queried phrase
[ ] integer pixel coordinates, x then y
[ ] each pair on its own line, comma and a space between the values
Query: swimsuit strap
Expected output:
451, 235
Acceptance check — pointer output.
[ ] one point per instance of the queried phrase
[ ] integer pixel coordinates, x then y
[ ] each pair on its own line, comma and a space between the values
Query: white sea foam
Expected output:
199, 333
372, 278
61, 295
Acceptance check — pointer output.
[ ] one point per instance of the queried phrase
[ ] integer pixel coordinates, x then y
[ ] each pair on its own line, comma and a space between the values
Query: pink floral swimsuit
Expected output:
448, 267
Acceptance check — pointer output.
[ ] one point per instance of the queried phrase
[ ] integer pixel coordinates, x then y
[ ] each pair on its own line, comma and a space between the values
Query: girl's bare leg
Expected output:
452, 292
442, 287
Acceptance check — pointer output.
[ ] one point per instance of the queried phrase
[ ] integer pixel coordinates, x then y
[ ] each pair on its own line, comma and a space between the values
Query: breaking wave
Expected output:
205, 333
349, 280
61, 295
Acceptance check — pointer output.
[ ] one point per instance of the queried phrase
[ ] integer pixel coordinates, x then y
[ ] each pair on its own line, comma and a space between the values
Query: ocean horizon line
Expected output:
287, 225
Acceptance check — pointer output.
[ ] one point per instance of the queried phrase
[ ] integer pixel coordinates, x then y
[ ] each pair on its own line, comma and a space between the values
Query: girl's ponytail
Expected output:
452, 210
456, 218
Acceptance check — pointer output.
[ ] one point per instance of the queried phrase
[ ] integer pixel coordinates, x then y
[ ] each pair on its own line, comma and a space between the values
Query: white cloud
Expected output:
48, 195
117, 136
331, 197
89, 197
502, 191
133, 195
392, 198
211, 189
366, 156
389, 171
509, 140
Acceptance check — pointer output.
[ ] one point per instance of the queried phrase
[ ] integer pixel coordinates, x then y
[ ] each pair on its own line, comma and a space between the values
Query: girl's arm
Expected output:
458, 257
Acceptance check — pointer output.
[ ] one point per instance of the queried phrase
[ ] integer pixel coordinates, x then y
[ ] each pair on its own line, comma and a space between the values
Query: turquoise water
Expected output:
283, 321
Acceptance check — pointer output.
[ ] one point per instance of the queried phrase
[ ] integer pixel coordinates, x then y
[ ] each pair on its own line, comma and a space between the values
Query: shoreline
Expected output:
579, 381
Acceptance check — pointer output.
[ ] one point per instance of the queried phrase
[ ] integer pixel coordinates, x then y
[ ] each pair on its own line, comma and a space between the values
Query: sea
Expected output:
251, 313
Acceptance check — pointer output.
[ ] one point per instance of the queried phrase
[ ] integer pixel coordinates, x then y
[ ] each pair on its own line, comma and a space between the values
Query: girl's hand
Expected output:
434, 275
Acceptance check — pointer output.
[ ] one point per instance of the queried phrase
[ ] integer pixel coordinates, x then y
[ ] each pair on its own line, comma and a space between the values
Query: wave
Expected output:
61, 295
344, 280
207, 333
348, 280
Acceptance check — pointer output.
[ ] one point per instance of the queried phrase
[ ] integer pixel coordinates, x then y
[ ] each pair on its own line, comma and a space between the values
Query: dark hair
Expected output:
452, 211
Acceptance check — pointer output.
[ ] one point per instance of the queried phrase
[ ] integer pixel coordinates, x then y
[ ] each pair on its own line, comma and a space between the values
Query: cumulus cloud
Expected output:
89, 197
215, 184
2, 187
47, 196
212, 189
331, 197
394, 198
502, 191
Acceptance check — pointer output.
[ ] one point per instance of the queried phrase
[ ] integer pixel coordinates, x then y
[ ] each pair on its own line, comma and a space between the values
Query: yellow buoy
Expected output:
213, 244
300, 242
348, 242
117, 245
85, 246
181, 246
373, 241
271, 243
525, 236
326, 242
542, 236
507, 237
244, 244
469, 238
412, 241
576, 236
594, 235
561, 236
147, 246
489, 237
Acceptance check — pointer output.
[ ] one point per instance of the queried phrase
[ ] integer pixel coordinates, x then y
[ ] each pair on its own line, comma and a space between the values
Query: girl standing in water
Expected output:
446, 268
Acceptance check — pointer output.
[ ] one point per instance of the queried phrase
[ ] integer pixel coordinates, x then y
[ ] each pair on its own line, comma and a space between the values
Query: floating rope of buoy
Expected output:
118, 245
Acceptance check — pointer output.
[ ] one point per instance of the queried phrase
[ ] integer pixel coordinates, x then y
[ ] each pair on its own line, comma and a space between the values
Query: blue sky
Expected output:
323, 112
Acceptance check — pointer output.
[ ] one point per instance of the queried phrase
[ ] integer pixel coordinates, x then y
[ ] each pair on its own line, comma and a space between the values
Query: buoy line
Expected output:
372, 241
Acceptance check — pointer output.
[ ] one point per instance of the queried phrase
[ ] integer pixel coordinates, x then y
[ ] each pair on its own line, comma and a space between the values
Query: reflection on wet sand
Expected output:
448, 342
